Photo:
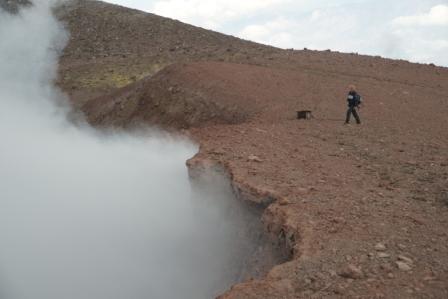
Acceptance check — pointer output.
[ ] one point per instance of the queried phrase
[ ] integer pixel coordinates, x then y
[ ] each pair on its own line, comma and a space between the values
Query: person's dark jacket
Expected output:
353, 99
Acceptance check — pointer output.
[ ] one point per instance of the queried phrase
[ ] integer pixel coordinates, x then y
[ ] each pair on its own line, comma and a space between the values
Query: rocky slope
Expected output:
362, 210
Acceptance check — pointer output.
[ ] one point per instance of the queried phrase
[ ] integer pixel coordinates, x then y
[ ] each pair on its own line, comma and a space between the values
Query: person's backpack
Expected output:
358, 99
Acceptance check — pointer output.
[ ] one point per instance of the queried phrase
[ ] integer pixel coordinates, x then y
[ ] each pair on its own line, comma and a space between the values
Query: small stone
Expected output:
338, 220
332, 273
340, 289
390, 275
383, 255
401, 246
380, 247
429, 278
284, 202
405, 259
253, 158
302, 190
333, 230
351, 272
387, 267
403, 266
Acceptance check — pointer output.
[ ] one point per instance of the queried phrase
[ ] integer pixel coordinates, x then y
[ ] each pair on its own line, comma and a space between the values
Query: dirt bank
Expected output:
272, 240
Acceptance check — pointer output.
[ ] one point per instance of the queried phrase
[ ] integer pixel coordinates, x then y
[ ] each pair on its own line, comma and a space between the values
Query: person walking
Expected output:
353, 100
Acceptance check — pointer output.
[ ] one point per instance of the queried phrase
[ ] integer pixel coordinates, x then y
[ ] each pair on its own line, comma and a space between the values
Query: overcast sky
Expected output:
415, 30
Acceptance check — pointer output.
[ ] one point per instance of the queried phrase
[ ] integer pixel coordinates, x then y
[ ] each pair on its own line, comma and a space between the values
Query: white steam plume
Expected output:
88, 216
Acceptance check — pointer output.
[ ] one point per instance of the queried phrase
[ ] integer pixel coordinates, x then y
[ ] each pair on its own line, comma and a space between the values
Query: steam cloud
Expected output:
84, 215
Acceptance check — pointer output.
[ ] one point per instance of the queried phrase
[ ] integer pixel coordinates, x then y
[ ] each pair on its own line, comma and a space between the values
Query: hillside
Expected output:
113, 46
362, 210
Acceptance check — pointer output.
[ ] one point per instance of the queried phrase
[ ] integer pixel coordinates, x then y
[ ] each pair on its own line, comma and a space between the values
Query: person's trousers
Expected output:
350, 111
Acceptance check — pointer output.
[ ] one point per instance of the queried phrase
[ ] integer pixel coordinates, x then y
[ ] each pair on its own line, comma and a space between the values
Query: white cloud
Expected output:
424, 36
211, 14
438, 15
276, 32
367, 29
318, 29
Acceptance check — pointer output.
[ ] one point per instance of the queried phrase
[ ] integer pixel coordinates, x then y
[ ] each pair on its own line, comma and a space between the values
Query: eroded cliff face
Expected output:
272, 241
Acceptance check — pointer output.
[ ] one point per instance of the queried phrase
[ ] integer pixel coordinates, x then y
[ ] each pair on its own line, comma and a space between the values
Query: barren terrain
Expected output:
362, 210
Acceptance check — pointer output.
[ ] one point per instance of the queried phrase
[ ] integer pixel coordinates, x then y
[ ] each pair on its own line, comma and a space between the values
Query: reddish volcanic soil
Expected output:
356, 202
363, 209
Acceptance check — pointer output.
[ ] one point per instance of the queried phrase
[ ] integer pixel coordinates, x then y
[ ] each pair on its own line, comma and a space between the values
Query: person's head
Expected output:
352, 87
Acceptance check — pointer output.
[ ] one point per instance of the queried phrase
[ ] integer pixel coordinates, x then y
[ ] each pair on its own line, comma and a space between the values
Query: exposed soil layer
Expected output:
203, 94
257, 250
363, 208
